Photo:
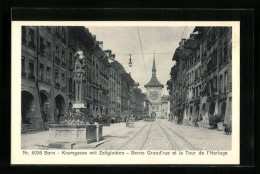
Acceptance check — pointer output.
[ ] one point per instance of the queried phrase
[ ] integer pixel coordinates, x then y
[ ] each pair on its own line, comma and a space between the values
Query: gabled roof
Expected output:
153, 83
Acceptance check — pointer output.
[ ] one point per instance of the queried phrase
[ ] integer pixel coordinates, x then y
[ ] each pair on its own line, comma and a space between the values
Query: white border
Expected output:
17, 156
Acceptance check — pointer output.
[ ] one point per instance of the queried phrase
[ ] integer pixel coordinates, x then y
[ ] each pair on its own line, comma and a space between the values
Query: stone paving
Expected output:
204, 138
35, 140
39, 140
160, 135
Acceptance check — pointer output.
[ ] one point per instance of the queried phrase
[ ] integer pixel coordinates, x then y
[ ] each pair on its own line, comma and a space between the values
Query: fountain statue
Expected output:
74, 126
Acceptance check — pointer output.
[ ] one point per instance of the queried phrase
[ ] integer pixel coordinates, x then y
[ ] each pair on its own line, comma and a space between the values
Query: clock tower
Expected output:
154, 88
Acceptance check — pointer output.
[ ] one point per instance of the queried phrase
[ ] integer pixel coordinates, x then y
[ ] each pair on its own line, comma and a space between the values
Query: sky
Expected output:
123, 41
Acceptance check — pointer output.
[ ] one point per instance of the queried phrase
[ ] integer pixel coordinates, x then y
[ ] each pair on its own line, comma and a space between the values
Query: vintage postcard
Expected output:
125, 92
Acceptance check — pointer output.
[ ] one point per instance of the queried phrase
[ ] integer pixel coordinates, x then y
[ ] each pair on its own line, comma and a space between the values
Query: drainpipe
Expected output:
53, 77
37, 73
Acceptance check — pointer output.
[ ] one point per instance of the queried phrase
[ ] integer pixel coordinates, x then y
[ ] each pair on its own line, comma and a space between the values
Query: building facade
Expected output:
165, 107
201, 85
48, 87
45, 71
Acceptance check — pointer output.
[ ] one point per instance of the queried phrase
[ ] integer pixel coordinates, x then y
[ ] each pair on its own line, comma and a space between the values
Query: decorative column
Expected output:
79, 75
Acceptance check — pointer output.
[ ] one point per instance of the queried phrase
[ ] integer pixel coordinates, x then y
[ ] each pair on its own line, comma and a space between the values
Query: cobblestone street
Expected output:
158, 135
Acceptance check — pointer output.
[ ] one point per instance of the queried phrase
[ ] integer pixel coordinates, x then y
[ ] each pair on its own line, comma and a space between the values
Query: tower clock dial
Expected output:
153, 95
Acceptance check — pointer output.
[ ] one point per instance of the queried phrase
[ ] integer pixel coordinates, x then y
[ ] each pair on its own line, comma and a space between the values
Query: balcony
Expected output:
58, 34
70, 67
222, 96
63, 88
197, 99
48, 81
71, 95
23, 75
32, 45
63, 64
57, 60
41, 78
225, 89
197, 80
223, 63
31, 77
57, 85
42, 49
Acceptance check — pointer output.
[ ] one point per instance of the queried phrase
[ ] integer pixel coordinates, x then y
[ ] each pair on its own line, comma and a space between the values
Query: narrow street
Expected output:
165, 135
158, 135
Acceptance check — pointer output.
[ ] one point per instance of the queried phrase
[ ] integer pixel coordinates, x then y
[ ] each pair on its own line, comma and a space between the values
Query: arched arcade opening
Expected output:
27, 106
60, 106
223, 110
212, 108
44, 105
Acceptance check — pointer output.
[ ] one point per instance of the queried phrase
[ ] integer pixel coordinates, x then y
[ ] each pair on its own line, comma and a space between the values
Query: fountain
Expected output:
74, 126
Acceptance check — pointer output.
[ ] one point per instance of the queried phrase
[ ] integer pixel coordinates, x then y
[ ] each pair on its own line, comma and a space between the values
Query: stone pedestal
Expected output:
75, 133
94, 132
78, 106
67, 133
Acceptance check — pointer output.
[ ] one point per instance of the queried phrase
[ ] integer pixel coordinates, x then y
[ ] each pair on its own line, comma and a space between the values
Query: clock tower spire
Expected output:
154, 67
154, 88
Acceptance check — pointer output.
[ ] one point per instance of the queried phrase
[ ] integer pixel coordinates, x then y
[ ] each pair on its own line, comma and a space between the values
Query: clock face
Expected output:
153, 95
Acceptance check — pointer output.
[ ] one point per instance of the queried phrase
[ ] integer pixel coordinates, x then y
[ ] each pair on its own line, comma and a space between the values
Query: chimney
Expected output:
183, 41
112, 56
94, 37
107, 52
100, 44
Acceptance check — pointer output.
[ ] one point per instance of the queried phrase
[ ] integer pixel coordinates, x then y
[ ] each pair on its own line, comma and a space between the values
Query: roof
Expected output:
199, 29
153, 82
117, 65
191, 43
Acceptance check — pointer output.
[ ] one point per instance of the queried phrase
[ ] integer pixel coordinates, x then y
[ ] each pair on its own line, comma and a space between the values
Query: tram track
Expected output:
181, 139
146, 141
171, 142
129, 140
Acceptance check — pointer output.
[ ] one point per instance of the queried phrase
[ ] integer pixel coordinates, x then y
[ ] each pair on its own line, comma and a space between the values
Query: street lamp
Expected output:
130, 61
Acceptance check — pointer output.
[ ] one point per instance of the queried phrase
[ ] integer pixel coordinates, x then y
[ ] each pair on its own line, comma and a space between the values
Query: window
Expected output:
42, 46
23, 34
221, 84
230, 50
48, 72
57, 49
70, 84
214, 83
48, 48
23, 65
31, 68
56, 76
70, 59
41, 70
225, 51
31, 38
196, 74
57, 52
57, 30
63, 32
225, 81
63, 56
63, 77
